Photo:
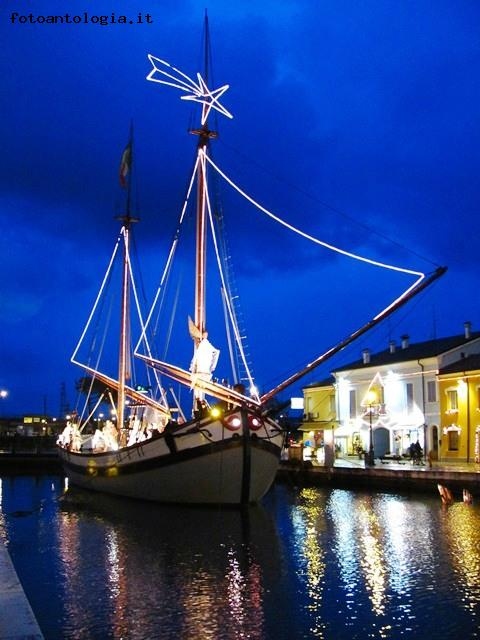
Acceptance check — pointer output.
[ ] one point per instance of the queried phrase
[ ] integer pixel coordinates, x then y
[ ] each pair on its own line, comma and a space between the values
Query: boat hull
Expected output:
201, 464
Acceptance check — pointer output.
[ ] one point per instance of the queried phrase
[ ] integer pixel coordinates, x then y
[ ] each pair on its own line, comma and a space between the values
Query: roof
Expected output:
470, 363
328, 382
414, 351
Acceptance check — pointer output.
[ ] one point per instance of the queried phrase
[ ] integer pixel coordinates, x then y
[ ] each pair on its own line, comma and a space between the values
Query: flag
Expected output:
125, 164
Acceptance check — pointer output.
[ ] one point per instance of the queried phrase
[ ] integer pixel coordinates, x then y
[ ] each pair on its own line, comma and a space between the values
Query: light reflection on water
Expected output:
308, 563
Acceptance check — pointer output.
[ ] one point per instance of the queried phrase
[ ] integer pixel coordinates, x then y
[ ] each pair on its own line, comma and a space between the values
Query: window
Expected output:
452, 400
379, 392
332, 404
409, 394
453, 440
478, 397
431, 391
353, 403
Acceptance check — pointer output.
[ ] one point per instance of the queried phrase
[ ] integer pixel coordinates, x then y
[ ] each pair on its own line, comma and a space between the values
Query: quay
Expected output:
384, 476
348, 472
29, 463
17, 621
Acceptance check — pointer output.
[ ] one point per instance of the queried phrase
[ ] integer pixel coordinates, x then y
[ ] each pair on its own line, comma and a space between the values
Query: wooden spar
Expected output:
124, 330
204, 134
351, 338
129, 392
211, 388
201, 243
124, 341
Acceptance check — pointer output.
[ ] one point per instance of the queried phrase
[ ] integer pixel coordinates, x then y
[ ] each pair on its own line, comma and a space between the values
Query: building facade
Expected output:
319, 420
387, 401
459, 390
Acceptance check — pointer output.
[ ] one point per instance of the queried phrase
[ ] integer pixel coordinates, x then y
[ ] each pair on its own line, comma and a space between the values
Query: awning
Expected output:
344, 431
318, 425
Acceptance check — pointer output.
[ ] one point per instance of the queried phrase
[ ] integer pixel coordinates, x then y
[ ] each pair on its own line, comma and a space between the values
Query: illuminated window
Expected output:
453, 440
353, 403
431, 391
409, 394
332, 404
452, 399
478, 397
379, 392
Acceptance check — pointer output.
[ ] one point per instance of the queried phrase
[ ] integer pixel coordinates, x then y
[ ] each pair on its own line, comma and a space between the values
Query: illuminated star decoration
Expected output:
164, 73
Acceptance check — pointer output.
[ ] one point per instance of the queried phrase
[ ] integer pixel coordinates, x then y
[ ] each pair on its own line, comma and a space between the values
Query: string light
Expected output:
196, 91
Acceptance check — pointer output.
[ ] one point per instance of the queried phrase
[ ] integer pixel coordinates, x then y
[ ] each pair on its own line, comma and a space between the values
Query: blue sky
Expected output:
356, 121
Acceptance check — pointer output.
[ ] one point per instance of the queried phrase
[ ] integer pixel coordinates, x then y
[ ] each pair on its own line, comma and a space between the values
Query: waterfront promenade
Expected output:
352, 472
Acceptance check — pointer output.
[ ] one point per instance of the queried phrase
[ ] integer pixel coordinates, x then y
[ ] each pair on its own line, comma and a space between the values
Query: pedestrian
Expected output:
430, 459
411, 450
418, 452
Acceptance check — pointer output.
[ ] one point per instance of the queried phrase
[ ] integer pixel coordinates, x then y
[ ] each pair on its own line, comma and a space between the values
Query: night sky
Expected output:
355, 121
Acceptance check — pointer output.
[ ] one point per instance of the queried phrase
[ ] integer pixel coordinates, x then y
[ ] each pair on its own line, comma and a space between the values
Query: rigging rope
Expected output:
227, 301
307, 236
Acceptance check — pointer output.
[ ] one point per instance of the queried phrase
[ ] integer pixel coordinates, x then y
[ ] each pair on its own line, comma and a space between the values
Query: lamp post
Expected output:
371, 398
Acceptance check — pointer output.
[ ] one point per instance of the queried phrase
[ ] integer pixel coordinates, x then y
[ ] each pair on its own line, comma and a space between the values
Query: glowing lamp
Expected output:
215, 412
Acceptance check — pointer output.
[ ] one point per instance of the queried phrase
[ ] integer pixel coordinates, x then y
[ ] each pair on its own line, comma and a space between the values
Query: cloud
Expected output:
356, 122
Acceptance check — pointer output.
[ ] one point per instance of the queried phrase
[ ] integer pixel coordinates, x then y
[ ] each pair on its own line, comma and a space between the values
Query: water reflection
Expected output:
308, 523
462, 530
372, 560
311, 563
381, 549
205, 567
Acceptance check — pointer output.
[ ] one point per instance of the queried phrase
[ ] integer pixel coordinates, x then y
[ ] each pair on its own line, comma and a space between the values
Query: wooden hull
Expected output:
203, 463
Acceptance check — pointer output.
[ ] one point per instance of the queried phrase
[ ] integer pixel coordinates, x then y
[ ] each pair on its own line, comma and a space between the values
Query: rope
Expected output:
307, 236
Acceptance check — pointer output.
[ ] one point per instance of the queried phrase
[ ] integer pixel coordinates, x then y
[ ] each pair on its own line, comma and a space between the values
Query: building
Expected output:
319, 420
459, 393
386, 401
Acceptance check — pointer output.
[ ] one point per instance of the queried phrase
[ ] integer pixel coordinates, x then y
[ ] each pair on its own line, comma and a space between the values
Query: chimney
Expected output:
468, 330
391, 344
366, 356
405, 340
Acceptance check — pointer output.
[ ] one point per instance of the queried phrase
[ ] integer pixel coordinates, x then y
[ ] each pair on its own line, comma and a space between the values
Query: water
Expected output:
308, 563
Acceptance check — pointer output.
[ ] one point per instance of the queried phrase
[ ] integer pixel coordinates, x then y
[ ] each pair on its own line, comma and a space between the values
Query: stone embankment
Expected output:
384, 477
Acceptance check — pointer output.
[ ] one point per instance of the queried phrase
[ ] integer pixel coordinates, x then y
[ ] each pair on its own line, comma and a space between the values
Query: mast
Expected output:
205, 135
124, 338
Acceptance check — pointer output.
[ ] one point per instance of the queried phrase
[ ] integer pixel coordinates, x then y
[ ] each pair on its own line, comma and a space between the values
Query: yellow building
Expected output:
319, 421
459, 387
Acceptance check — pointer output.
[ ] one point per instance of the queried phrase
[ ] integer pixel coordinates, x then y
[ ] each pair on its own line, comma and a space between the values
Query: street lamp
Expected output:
371, 400
3, 395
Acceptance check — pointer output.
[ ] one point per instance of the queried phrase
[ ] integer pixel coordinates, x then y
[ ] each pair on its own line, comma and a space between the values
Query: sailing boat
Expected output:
226, 448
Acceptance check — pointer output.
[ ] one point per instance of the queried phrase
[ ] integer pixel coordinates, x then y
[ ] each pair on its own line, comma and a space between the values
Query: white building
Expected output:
388, 400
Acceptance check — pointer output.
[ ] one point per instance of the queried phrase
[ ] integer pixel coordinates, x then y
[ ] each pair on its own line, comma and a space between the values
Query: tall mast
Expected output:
204, 134
124, 339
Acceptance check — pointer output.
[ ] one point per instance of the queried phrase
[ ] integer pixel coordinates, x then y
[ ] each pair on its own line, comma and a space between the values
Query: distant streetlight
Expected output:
3, 395
371, 399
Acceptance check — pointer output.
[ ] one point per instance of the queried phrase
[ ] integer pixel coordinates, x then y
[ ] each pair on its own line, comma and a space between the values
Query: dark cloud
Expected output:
354, 121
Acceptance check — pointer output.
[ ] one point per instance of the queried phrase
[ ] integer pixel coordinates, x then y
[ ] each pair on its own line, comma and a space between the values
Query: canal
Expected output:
307, 563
